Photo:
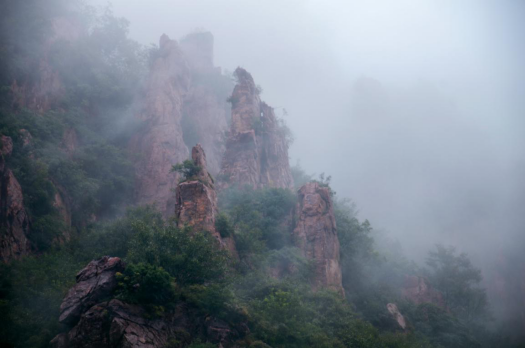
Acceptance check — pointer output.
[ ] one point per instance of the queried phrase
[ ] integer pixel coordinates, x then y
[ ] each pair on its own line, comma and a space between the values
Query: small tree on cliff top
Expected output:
188, 169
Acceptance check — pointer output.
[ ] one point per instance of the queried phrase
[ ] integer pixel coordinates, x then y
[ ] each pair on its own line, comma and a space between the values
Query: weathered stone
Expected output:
197, 201
14, 221
116, 324
316, 235
256, 149
160, 144
94, 283
417, 290
396, 315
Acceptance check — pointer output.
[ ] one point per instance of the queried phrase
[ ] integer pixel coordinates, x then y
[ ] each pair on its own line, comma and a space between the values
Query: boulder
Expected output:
94, 283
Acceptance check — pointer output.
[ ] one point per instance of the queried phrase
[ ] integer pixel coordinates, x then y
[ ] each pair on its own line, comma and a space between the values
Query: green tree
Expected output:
459, 282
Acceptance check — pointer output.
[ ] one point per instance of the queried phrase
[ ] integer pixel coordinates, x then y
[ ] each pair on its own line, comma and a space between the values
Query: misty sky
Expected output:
416, 108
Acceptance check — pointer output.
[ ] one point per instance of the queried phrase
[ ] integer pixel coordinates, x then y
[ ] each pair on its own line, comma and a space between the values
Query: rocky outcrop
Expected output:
315, 234
94, 283
196, 201
256, 148
160, 144
397, 316
417, 290
205, 112
95, 319
14, 221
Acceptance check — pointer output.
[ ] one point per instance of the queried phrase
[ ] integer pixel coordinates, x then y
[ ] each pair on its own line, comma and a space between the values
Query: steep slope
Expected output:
14, 220
196, 202
316, 235
256, 149
159, 144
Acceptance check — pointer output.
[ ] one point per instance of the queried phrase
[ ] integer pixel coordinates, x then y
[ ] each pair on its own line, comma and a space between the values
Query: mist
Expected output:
408, 116
414, 108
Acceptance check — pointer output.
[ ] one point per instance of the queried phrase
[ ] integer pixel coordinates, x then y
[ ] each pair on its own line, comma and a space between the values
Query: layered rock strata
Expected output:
14, 220
315, 234
256, 148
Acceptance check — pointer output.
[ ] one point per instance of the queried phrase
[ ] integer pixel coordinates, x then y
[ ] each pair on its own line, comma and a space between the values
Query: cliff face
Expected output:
256, 149
160, 145
14, 221
316, 235
183, 104
205, 110
196, 202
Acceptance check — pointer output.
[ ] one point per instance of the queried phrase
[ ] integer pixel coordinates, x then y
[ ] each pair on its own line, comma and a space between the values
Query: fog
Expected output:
414, 107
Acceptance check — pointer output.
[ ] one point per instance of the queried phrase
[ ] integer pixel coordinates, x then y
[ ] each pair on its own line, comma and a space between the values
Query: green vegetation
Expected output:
188, 169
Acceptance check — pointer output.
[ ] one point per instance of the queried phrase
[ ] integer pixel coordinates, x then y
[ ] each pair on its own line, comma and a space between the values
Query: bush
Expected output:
188, 169
190, 258
145, 284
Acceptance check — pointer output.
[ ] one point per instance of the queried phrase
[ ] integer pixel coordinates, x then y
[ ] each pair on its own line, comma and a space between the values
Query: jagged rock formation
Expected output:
94, 282
417, 290
315, 234
256, 149
14, 221
96, 320
161, 145
205, 111
196, 201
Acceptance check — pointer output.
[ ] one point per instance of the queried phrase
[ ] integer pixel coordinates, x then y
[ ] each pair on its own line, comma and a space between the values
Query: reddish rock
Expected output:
197, 201
160, 145
417, 290
205, 110
256, 149
94, 283
397, 316
316, 235
14, 221
70, 141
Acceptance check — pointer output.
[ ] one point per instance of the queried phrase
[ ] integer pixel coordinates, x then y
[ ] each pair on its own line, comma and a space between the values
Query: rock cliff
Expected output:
205, 110
256, 148
315, 234
95, 319
14, 221
196, 201
160, 144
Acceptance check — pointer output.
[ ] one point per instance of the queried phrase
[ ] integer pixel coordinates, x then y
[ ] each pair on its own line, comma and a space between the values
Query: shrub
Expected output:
188, 169
145, 284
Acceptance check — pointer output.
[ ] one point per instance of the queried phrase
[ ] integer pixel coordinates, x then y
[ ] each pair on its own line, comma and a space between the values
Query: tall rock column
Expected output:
14, 221
315, 234
256, 149
160, 144
196, 201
